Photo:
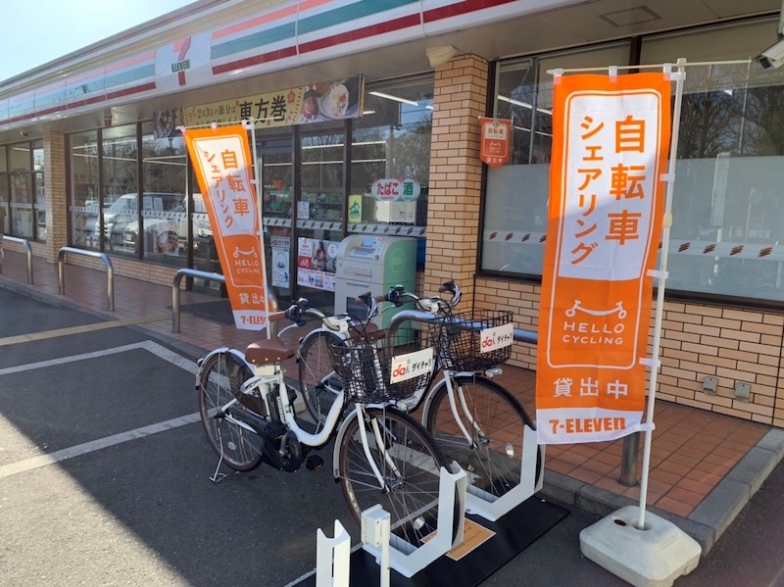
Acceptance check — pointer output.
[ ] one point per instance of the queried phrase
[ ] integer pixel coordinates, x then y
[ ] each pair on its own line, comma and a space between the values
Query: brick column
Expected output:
56, 206
455, 175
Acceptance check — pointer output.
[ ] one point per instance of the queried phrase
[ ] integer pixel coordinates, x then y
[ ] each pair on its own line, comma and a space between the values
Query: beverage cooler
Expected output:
373, 264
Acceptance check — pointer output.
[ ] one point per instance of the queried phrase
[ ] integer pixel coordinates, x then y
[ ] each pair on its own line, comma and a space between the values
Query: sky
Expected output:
38, 31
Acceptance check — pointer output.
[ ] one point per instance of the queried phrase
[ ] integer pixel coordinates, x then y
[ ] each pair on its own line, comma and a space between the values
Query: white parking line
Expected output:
92, 446
101, 443
148, 345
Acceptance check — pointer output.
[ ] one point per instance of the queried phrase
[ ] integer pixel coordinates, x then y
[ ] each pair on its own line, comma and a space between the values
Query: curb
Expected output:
709, 520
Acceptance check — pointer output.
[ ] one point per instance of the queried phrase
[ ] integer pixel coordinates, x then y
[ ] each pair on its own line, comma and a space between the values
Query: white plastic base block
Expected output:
653, 557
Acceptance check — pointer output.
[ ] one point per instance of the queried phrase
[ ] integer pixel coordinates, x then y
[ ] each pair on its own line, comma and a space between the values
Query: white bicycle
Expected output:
474, 420
380, 456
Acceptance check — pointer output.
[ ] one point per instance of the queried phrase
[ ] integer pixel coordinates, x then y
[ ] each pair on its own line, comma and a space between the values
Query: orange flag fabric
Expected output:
223, 164
611, 138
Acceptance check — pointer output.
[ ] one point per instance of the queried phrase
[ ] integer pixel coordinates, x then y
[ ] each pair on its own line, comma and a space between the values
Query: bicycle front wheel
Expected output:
318, 383
409, 463
220, 382
494, 421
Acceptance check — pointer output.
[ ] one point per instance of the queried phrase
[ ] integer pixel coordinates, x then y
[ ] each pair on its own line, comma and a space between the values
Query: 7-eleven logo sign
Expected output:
181, 47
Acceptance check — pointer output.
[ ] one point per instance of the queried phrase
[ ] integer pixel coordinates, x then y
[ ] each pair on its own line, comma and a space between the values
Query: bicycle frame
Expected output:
426, 392
266, 378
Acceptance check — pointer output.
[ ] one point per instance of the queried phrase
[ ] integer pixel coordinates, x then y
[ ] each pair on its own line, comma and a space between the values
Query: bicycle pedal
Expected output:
314, 463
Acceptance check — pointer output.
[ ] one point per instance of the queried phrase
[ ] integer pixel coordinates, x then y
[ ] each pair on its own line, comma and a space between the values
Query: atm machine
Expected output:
375, 264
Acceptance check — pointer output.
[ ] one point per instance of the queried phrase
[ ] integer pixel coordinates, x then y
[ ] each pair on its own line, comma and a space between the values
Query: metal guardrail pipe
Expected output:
28, 249
520, 335
95, 255
210, 276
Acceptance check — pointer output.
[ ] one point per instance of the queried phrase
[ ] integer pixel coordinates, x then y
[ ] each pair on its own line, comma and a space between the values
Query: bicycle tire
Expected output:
220, 380
493, 464
317, 380
412, 498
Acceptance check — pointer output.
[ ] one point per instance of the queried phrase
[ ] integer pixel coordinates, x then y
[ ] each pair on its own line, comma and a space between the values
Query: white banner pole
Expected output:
250, 125
662, 277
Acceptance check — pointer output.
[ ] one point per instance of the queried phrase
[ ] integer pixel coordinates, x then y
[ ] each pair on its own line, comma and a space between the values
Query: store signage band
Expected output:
610, 143
334, 100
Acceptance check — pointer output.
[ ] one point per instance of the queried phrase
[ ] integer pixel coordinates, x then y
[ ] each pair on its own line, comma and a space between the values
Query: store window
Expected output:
728, 200
164, 231
319, 210
516, 202
5, 194
120, 186
83, 205
390, 156
22, 191
276, 162
40, 191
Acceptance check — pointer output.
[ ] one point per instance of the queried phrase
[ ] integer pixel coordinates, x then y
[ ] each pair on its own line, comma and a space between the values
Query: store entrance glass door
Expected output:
320, 211
275, 165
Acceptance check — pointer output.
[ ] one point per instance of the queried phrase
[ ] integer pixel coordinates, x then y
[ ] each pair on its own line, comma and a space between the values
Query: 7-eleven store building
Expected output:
89, 156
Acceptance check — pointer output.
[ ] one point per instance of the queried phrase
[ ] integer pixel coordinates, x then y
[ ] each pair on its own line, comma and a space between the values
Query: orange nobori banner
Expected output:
611, 138
223, 163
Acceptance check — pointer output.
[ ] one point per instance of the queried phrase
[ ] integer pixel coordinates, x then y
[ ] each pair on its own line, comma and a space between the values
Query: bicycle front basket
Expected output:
460, 342
381, 372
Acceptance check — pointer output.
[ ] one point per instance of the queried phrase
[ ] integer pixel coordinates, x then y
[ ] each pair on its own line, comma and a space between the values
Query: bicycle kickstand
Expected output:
217, 476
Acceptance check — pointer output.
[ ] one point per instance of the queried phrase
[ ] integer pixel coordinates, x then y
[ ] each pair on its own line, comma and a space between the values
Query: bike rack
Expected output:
482, 503
28, 249
333, 558
94, 254
392, 551
492, 507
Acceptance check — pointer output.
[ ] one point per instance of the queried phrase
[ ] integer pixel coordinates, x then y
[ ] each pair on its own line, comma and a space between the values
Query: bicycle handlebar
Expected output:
398, 296
300, 310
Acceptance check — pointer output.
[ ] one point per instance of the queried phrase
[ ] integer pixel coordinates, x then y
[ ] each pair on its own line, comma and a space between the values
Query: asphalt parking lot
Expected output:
105, 470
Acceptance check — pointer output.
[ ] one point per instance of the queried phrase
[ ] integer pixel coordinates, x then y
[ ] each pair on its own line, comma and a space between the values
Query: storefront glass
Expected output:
728, 200
319, 210
22, 197
83, 202
727, 203
5, 194
391, 161
517, 193
120, 186
40, 191
164, 233
276, 163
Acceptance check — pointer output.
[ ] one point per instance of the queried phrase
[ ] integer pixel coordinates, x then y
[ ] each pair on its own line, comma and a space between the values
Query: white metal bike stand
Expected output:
492, 507
333, 558
402, 556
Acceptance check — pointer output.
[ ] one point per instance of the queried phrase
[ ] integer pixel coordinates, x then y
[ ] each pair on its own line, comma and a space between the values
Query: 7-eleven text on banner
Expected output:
222, 160
610, 143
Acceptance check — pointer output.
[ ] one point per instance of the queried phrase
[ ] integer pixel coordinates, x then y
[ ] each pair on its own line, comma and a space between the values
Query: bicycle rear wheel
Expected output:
220, 382
493, 463
318, 383
411, 472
